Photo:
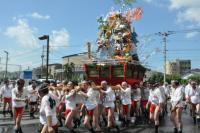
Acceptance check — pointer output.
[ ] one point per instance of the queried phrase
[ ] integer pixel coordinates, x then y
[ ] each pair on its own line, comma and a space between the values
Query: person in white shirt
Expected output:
59, 91
186, 89
61, 103
145, 90
177, 105
193, 98
32, 97
19, 99
6, 97
136, 99
91, 104
164, 97
108, 103
188, 86
126, 101
167, 95
47, 110
155, 100
53, 91
145, 94
71, 101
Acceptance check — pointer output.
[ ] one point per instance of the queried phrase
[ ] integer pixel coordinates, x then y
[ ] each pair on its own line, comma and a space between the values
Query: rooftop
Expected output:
77, 54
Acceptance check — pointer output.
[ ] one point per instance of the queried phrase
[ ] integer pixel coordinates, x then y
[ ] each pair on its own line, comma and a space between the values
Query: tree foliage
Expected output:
169, 78
195, 77
159, 77
69, 70
156, 77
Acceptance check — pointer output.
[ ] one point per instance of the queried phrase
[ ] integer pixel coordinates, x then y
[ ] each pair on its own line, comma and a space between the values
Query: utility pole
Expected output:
89, 50
6, 64
165, 54
164, 35
62, 73
20, 70
42, 56
47, 58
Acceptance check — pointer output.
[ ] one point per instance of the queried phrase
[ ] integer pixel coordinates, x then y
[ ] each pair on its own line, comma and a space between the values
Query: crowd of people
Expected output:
98, 107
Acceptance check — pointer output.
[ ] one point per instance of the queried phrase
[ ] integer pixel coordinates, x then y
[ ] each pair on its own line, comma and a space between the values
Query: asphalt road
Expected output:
31, 126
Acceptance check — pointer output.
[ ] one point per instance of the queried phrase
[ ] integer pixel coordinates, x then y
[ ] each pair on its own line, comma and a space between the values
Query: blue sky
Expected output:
72, 23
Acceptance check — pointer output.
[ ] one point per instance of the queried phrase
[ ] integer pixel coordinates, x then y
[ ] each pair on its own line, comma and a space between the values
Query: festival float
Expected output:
116, 58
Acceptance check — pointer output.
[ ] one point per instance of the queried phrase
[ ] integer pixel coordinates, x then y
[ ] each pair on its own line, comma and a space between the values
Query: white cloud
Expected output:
59, 38
23, 33
189, 15
178, 4
36, 15
188, 10
26, 35
192, 34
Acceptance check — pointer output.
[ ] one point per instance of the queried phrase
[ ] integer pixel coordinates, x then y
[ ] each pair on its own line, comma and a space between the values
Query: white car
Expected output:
42, 80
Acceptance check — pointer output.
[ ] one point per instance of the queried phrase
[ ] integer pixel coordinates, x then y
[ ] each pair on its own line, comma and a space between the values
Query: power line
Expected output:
185, 31
175, 50
65, 46
26, 52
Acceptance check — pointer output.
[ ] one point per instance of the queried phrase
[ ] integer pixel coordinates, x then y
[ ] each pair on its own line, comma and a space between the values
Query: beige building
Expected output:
52, 69
78, 59
172, 68
178, 66
40, 72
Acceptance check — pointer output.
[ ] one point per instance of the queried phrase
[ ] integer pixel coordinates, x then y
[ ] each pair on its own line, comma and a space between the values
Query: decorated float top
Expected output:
117, 39
117, 58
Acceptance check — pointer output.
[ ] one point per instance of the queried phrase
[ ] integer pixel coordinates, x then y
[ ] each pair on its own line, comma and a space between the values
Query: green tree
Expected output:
169, 78
69, 70
156, 77
195, 77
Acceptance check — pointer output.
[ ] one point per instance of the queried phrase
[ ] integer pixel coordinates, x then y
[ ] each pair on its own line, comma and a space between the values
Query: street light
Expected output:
46, 37
6, 63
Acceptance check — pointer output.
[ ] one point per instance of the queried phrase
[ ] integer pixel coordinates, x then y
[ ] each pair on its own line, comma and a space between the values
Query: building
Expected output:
78, 60
52, 70
192, 72
184, 66
178, 66
172, 67
40, 72
56, 70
